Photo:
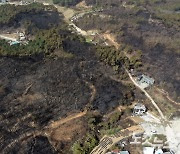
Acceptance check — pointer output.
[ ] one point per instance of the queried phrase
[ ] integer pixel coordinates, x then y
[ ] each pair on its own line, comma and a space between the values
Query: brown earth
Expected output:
69, 130
164, 104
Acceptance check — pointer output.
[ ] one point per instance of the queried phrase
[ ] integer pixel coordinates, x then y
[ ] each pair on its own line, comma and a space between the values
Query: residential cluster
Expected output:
146, 150
15, 38
21, 39
16, 2
156, 147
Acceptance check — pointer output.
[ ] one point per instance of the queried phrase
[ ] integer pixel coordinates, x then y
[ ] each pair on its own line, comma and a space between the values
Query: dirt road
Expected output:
57, 123
113, 41
49, 129
167, 96
111, 38
173, 137
7, 38
147, 95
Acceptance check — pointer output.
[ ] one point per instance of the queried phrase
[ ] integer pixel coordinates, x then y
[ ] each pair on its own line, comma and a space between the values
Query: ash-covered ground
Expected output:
35, 91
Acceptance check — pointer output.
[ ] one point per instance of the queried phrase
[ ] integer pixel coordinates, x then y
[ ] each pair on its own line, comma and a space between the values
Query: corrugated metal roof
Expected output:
124, 152
147, 79
14, 42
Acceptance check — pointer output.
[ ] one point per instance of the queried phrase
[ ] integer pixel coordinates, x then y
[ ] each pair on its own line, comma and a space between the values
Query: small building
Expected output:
118, 152
145, 79
139, 109
3, 1
169, 152
124, 152
22, 36
148, 150
159, 151
122, 143
14, 42
165, 151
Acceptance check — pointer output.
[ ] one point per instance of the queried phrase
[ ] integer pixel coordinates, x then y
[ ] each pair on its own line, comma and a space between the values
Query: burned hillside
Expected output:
30, 18
60, 92
37, 90
152, 27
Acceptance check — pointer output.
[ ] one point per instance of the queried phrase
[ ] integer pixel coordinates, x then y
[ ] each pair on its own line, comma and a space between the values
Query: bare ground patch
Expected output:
166, 106
69, 131
30, 97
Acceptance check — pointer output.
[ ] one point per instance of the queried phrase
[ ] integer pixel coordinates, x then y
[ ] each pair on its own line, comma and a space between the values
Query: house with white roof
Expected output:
148, 150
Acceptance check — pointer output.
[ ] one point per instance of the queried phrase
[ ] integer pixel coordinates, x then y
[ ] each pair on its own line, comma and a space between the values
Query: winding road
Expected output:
112, 40
167, 96
147, 95
170, 133
171, 136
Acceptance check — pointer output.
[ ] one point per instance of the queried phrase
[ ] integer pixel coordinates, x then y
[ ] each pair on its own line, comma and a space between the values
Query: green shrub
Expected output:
66, 2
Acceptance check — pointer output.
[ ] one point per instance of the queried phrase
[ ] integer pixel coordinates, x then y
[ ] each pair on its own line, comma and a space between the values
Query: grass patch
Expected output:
111, 131
158, 136
89, 39
63, 54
